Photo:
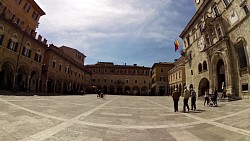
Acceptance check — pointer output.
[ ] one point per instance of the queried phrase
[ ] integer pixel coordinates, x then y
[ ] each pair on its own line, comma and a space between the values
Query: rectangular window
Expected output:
219, 31
192, 72
208, 40
60, 67
162, 69
1, 39
244, 87
246, 9
126, 80
27, 7
216, 11
188, 41
105, 80
35, 15
226, 2
93, 80
242, 57
135, 81
19, 1
54, 64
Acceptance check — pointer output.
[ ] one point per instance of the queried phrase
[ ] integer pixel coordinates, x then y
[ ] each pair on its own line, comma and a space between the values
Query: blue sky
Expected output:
121, 31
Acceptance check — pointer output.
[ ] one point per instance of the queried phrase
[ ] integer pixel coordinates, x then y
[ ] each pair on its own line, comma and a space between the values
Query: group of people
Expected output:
186, 94
210, 99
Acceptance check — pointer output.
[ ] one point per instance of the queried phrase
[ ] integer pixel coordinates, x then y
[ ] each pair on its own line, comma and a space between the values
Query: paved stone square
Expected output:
119, 118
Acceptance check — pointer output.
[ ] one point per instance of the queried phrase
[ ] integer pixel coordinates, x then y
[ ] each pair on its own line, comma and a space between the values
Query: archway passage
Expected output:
203, 86
127, 90
34, 81
144, 91
136, 90
112, 90
119, 90
50, 85
22, 78
7, 76
220, 75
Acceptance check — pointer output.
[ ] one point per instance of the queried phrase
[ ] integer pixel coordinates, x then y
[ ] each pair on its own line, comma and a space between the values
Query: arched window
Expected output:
38, 56
200, 67
26, 50
1, 34
204, 65
13, 44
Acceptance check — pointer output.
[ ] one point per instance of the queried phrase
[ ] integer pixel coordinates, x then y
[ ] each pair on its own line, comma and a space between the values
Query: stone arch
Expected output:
144, 90
7, 74
51, 84
105, 89
217, 56
59, 86
136, 90
22, 76
14, 37
111, 89
203, 86
127, 90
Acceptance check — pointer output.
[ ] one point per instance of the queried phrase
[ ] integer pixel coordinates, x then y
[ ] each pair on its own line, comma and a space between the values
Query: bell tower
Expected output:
198, 3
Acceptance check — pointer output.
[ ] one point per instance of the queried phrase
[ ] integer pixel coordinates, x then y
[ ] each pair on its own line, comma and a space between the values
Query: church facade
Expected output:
216, 47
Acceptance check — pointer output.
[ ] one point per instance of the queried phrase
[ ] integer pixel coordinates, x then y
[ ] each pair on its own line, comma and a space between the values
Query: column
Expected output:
38, 85
46, 85
28, 84
14, 82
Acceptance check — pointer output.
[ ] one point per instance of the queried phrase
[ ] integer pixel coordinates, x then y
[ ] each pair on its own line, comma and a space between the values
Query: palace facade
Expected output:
27, 63
160, 80
216, 47
120, 79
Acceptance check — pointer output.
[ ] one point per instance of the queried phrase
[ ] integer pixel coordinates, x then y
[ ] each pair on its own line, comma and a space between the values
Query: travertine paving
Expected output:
119, 118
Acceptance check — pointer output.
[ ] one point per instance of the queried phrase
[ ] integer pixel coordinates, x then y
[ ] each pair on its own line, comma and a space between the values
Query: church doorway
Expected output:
221, 75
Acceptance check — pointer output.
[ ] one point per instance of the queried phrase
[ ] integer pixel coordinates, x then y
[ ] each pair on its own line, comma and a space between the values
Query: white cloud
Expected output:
92, 26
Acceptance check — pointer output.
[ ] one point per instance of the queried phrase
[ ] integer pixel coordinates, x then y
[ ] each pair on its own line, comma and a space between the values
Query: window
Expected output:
27, 7
1, 39
244, 87
12, 45
93, 70
188, 40
136, 81
218, 31
216, 11
162, 70
26, 52
38, 57
200, 67
162, 78
246, 9
93, 79
19, 1
35, 15
204, 65
60, 67
145, 82
242, 56
126, 80
192, 72
208, 42
54, 64
226, 2
105, 80
98, 80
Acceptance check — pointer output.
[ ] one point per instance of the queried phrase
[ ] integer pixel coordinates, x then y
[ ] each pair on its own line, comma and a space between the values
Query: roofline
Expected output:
194, 18
36, 6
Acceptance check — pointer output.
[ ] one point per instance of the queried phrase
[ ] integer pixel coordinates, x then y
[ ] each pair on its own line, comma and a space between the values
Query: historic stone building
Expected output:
160, 81
177, 76
74, 53
120, 79
21, 54
63, 74
26, 61
216, 45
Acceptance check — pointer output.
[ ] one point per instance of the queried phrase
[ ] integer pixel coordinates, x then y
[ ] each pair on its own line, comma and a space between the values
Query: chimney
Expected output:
135, 65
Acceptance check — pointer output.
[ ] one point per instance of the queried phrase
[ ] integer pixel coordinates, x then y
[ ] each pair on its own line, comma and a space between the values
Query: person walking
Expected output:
175, 96
206, 97
193, 99
186, 95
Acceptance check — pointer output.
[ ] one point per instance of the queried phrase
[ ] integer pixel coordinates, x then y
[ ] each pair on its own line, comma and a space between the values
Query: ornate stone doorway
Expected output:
220, 75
